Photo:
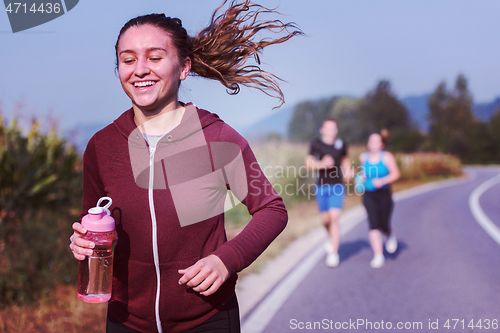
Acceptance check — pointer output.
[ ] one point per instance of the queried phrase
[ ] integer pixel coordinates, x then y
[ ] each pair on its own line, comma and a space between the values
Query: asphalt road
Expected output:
444, 277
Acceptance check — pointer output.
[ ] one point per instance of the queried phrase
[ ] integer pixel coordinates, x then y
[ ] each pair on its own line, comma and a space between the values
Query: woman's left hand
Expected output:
205, 276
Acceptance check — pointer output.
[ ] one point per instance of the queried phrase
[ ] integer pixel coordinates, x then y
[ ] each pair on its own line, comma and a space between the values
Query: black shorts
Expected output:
226, 320
379, 206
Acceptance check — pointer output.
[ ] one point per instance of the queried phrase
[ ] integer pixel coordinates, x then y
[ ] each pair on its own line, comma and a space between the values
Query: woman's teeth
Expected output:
144, 84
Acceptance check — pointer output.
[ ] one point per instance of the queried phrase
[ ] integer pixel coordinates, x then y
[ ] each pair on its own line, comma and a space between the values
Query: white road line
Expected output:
264, 313
477, 211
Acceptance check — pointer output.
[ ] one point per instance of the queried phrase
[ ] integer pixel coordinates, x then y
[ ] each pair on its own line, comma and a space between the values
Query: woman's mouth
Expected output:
144, 84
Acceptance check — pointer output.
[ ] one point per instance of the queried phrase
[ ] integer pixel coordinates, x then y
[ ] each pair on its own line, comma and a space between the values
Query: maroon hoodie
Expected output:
169, 214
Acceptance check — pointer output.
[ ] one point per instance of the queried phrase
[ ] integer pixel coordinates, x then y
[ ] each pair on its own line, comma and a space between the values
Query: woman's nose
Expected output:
141, 68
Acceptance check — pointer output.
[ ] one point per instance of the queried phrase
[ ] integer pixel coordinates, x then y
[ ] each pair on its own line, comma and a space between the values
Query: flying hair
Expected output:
222, 50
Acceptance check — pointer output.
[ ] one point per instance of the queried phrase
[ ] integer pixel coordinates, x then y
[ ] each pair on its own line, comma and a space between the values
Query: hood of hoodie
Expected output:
193, 120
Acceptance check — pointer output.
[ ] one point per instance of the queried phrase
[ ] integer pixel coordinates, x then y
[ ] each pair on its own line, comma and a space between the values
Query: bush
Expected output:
423, 164
419, 165
40, 190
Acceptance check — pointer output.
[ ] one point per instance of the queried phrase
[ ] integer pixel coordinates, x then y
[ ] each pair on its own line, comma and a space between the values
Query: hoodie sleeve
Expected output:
269, 215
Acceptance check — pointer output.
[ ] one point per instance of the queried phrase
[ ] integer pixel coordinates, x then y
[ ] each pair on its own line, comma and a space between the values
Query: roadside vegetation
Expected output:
40, 190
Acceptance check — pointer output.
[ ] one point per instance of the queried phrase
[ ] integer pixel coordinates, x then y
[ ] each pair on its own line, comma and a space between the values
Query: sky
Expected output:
65, 69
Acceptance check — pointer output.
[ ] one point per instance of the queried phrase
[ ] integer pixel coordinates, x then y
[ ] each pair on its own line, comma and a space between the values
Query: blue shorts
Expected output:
330, 196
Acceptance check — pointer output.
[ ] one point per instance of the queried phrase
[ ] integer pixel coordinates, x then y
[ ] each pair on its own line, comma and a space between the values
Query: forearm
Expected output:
347, 171
390, 178
265, 225
314, 164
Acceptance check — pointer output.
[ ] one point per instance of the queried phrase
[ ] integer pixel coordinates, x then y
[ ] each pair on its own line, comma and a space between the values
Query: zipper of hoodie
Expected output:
154, 234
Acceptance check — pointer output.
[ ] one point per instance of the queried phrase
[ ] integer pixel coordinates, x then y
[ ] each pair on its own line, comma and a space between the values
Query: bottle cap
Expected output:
99, 218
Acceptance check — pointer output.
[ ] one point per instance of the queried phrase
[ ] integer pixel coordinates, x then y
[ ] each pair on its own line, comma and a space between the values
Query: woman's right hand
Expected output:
327, 161
79, 246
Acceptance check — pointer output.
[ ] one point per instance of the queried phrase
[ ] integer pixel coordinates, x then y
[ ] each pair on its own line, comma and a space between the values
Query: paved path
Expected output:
447, 267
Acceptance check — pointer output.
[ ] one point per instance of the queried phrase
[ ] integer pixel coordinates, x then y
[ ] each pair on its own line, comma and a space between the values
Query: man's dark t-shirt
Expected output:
337, 151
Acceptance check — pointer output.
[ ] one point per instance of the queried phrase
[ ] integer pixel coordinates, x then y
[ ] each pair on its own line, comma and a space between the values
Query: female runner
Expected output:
168, 166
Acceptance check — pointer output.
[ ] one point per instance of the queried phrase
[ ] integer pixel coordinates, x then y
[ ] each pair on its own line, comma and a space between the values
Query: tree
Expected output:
357, 118
307, 118
481, 143
438, 118
461, 107
346, 111
494, 129
382, 110
405, 140
452, 120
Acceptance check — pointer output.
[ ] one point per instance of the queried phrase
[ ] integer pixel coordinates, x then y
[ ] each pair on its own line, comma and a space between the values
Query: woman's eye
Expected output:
155, 59
128, 61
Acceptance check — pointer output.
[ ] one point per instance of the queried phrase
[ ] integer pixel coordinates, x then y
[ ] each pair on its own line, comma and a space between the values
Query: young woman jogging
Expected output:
379, 171
168, 166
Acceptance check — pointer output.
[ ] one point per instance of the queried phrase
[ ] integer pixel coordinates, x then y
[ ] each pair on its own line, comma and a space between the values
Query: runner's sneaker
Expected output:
332, 260
377, 261
328, 247
392, 243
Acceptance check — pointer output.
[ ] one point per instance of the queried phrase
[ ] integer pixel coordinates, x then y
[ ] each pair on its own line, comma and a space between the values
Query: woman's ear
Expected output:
185, 69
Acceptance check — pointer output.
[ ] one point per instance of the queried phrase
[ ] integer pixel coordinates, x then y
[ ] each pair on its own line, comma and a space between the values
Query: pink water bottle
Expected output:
95, 272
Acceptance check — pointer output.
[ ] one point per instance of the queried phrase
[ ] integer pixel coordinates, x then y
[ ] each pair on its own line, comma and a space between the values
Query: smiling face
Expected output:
375, 143
149, 69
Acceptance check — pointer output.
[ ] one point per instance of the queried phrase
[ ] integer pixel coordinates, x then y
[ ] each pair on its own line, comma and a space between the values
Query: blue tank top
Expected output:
374, 170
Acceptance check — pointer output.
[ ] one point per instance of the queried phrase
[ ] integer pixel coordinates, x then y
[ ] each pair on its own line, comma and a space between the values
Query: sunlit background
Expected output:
386, 64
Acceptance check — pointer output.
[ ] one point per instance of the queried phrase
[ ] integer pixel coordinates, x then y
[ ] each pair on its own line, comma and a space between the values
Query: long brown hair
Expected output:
221, 50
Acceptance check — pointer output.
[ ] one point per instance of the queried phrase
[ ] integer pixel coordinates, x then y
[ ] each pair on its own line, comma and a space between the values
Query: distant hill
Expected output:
276, 123
484, 111
418, 109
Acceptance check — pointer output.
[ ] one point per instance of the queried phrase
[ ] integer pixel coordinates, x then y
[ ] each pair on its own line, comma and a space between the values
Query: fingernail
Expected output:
89, 252
91, 245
